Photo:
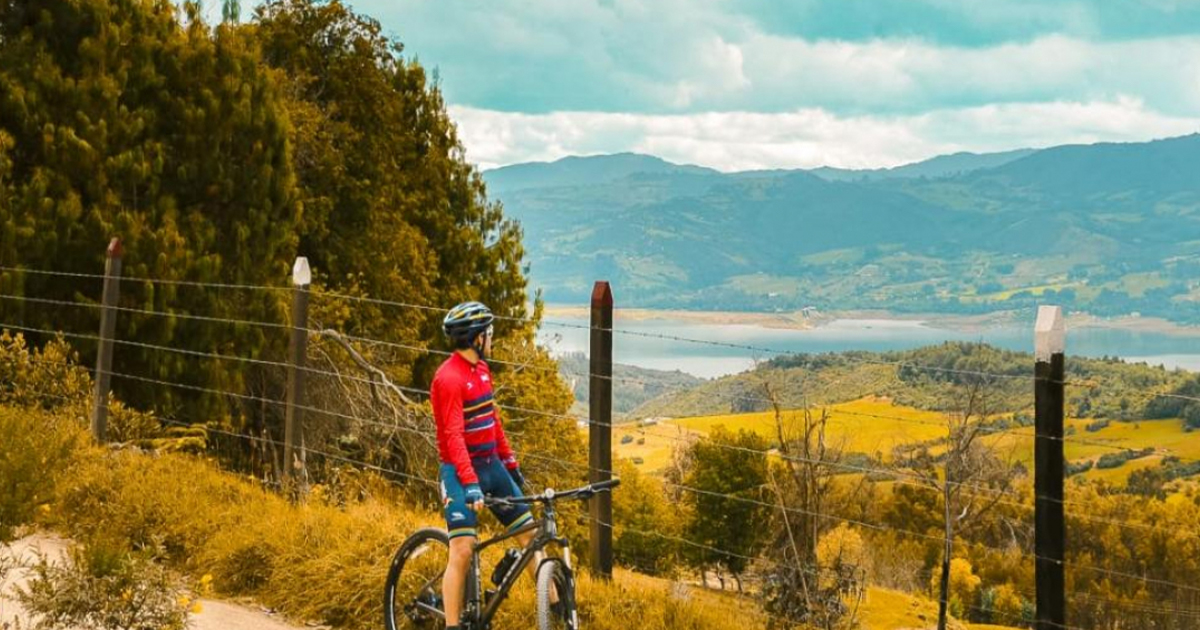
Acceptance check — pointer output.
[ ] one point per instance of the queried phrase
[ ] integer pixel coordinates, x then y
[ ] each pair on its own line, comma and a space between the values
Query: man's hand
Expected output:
474, 497
517, 477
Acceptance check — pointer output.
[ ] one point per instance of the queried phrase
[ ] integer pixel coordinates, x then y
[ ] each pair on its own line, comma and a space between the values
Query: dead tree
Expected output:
802, 590
968, 477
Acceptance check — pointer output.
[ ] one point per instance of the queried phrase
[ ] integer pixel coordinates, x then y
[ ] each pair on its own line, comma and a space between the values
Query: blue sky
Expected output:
738, 84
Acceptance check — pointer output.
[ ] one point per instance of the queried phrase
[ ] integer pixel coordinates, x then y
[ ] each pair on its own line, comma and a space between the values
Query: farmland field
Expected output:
874, 426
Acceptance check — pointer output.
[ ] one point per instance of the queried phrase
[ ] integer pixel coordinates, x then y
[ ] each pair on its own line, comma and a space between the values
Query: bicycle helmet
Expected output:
467, 321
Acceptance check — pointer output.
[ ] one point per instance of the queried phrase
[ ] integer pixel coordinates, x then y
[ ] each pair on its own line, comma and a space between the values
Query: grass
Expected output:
1167, 436
312, 562
875, 425
868, 425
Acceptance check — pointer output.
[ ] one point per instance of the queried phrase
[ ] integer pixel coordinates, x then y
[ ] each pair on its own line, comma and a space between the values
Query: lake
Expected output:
708, 361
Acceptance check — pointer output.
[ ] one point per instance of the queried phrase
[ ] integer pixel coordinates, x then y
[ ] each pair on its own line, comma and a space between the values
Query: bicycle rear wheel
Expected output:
555, 596
412, 595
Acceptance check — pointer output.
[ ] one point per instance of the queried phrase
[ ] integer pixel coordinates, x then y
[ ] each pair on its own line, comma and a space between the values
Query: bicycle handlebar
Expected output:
549, 496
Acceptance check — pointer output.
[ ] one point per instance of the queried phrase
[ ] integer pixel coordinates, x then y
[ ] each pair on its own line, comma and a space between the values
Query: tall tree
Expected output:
729, 476
386, 191
121, 121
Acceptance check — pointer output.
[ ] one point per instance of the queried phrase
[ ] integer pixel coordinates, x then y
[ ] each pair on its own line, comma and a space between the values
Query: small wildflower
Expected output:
197, 608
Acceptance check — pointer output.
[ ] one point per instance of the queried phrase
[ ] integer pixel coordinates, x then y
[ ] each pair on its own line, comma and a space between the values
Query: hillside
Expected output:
1108, 228
632, 386
1116, 390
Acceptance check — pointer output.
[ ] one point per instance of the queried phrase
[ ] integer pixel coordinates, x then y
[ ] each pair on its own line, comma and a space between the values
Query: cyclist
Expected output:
475, 454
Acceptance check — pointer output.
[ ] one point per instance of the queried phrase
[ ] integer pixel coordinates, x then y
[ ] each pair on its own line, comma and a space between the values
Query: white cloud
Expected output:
907, 76
809, 137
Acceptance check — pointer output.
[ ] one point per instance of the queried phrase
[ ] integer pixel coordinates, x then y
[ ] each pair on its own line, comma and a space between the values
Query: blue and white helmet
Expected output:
466, 321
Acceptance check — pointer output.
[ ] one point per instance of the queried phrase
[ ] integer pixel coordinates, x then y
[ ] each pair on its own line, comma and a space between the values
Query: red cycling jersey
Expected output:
468, 425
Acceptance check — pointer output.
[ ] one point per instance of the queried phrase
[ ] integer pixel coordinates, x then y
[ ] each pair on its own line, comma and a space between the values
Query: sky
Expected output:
749, 84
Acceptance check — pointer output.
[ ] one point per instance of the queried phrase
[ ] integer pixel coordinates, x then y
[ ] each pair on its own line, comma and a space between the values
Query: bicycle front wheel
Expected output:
555, 596
412, 595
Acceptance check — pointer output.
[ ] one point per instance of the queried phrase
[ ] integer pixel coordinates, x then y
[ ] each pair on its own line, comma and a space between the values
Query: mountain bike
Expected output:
412, 596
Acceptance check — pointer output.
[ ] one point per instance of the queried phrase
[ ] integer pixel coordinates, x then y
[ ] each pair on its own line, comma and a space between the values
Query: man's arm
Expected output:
502, 447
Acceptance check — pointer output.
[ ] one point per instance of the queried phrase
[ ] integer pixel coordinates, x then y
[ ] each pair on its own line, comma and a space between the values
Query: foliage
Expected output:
35, 449
1001, 604
730, 471
124, 122
105, 588
1114, 460
842, 545
645, 523
218, 154
964, 587
315, 561
50, 378
929, 377
386, 192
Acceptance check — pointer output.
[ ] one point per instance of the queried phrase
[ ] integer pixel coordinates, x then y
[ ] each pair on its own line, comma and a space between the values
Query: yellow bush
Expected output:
842, 546
1007, 604
963, 588
35, 448
47, 378
51, 379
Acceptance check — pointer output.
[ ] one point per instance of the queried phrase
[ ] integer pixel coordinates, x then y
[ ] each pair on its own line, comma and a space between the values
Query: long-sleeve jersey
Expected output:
468, 425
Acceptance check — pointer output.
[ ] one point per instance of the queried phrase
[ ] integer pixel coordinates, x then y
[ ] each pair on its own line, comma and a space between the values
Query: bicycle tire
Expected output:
415, 547
553, 573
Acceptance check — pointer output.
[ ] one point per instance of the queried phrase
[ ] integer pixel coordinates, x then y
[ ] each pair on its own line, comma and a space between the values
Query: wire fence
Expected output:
898, 475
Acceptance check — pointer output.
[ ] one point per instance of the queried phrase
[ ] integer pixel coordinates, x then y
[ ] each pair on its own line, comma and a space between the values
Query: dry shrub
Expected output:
35, 448
51, 379
103, 587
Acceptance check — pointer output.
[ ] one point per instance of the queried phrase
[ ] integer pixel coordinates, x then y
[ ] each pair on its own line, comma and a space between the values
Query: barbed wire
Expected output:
671, 337
860, 523
898, 476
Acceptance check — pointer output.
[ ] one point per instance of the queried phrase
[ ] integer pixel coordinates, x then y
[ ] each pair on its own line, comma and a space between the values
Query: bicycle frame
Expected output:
547, 533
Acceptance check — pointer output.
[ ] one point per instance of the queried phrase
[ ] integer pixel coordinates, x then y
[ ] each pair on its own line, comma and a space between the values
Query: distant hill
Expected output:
577, 171
632, 386
940, 166
1107, 228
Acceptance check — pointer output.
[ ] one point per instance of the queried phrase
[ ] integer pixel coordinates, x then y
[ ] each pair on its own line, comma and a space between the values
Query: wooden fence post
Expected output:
293, 440
108, 327
1049, 468
600, 426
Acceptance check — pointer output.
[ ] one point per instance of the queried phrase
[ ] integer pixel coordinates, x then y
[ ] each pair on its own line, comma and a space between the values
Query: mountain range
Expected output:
1107, 228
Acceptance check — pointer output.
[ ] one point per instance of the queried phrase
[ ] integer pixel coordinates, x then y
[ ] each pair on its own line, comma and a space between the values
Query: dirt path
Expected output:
214, 614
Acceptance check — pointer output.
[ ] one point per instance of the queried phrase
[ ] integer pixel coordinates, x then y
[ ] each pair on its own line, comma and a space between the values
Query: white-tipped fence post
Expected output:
108, 328
1049, 468
293, 443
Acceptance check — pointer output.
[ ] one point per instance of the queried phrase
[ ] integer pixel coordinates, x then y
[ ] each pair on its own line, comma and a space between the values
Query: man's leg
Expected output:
460, 524
456, 577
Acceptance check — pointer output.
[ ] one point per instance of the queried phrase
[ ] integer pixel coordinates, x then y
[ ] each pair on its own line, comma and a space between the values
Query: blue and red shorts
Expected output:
495, 481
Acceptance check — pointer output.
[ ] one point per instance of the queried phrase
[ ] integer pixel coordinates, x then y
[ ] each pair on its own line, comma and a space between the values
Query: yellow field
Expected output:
875, 425
870, 425
1167, 436
881, 609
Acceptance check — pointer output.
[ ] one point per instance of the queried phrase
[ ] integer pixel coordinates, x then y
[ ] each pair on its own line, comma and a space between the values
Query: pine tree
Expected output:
123, 122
